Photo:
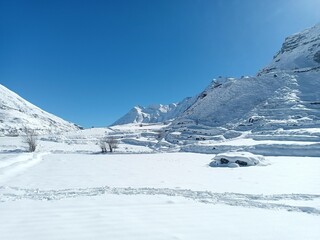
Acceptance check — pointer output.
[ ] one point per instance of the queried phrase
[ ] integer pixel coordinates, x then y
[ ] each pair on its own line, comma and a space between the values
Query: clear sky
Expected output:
90, 62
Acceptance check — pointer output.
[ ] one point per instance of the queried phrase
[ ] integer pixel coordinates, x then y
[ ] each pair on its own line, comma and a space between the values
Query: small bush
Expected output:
108, 142
31, 139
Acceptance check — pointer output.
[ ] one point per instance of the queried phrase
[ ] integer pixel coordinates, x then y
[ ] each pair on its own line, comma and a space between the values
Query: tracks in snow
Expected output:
12, 166
231, 199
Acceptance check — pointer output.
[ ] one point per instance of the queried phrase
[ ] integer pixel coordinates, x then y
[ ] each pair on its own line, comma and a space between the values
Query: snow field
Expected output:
148, 217
169, 170
159, 196
71, 195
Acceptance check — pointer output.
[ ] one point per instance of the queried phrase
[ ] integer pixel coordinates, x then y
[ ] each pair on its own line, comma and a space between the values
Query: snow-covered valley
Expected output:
263, 133
67, 189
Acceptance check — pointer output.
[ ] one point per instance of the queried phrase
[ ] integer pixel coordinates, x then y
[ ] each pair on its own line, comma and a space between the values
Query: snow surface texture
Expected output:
17, 114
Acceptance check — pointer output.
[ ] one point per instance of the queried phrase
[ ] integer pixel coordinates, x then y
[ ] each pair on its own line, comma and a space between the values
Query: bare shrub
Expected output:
112, 143
103, 145
31, 139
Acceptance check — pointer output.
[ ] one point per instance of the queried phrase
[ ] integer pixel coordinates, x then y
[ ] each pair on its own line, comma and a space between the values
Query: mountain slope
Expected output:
16, 114
229, 99
285, 94
301, 50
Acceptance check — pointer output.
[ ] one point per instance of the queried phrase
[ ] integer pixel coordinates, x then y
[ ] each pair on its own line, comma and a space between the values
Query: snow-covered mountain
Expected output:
155, 113
16, 114
285, 93
279, 106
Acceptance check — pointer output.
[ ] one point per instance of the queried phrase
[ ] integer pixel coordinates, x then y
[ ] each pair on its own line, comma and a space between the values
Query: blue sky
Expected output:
89, 62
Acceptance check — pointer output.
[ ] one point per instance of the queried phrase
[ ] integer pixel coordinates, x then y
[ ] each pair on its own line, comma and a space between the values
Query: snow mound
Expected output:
237, 159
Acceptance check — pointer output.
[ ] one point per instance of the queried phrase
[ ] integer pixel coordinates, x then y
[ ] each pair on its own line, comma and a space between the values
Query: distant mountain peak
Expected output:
155, 112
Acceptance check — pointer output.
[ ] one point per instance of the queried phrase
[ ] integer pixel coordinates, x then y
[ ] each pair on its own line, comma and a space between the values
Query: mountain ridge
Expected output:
155, 113
300, 53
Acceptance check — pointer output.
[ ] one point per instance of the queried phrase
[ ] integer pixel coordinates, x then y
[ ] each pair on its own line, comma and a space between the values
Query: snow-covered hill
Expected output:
285, 92
16, 114
277, 109
155, 113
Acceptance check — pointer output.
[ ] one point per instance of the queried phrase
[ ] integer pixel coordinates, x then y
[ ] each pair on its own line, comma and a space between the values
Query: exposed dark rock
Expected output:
224, 161
217, 85
292, 43
241, 163
316, 57
203, 95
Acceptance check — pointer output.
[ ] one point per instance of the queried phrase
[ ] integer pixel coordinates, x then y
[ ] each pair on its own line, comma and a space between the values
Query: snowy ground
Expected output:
158, 196
67, 190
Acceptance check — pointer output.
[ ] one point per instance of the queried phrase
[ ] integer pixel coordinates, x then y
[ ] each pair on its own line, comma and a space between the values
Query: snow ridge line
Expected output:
231, 199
